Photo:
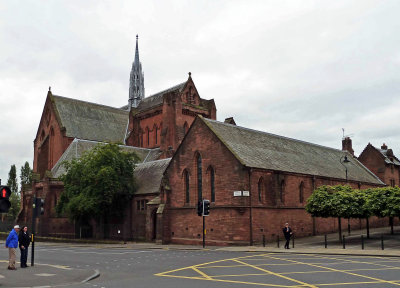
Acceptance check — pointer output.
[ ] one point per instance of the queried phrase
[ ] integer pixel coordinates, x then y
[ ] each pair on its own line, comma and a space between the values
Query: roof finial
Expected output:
49, 88
190, 74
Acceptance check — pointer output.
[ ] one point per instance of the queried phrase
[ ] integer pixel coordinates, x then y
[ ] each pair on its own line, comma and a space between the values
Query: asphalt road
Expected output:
121, 267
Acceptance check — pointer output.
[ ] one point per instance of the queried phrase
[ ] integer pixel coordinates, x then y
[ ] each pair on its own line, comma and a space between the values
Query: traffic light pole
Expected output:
204, 231
33, 231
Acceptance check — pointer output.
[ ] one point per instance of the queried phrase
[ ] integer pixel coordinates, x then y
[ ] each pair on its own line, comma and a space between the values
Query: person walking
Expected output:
24, 241
287, 231
12, 244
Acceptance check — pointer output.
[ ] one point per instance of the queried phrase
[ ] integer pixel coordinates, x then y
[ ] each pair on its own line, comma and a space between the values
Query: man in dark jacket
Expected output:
24, 241
287, 231
12, 244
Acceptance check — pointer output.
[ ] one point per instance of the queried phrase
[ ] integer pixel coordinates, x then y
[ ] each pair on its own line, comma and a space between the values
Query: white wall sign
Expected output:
237, 193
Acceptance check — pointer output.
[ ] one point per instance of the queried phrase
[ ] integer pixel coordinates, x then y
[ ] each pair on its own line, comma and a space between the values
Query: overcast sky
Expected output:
301, 69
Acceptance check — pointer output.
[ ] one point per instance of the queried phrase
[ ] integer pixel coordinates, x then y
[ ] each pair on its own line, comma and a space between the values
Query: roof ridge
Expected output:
87, 102
120, 145
158, 160
163, 91
275, 135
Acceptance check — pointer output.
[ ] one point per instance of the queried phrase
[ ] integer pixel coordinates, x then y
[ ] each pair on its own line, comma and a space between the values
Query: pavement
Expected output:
43, 275
47, 275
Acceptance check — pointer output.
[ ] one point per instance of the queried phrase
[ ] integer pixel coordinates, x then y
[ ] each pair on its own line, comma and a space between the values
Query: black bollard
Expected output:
326, 241
382, 242
263, 240
277, 239
292, 240
362, 242
344, 242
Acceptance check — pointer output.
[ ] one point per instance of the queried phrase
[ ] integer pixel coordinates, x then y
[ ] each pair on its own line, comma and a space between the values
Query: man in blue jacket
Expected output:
12, 245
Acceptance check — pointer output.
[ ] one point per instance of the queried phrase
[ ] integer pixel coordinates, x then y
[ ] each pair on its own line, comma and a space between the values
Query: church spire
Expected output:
136, 82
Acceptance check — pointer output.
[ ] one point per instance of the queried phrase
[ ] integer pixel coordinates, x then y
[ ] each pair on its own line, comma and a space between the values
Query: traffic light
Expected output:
39, 206
206, 207
200, 208
5, 204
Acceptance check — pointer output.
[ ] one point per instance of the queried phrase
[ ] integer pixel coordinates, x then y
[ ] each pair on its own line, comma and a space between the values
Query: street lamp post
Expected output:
343, 161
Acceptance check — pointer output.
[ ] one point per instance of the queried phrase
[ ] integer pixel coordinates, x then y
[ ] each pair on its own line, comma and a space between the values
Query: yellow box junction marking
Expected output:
336, 270
201, 269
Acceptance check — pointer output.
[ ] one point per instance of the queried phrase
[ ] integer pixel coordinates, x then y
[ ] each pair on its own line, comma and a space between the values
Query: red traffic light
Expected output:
5, 204
5, 192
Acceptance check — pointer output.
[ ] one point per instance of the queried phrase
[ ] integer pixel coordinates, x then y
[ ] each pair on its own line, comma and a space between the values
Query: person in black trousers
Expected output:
287, 231
24, 241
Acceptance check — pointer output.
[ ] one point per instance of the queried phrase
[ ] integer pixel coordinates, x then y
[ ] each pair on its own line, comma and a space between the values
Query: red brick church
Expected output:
255, 181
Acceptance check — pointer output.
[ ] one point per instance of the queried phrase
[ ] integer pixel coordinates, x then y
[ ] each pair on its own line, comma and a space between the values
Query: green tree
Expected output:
98, 185
385, 202
15, 197
26, 174
332, 201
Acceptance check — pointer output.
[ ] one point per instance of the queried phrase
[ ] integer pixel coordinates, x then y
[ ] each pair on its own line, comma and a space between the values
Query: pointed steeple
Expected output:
136, 82
137, 50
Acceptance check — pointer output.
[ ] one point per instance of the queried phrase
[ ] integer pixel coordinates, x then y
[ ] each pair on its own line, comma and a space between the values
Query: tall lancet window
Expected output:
212, 184
187, 186
199, 178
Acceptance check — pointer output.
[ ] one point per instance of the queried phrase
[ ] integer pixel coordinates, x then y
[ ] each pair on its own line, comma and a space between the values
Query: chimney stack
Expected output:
347, 145
384, 147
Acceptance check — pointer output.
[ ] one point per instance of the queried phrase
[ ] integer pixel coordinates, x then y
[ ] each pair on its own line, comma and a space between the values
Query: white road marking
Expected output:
45, 274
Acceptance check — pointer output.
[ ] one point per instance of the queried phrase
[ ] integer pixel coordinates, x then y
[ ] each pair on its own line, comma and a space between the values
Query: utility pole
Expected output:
33, 231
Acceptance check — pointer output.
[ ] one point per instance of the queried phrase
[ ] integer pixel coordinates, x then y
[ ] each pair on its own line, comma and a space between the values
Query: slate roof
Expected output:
91, 121
263, 150
155, 99
149, 175
79, 146
388, 156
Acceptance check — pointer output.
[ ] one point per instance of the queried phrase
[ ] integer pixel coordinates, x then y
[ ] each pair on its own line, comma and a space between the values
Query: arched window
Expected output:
282, 191
212, 183
199, 178
156, 134
301, 192
187, 191
51, 148
260, 189
190, 100
148, 136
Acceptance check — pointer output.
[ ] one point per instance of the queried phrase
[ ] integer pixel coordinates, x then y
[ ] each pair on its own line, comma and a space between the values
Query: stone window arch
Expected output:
186, 181
211, 172
155, 129
199, 172
260, 188
282, 191
51, 148
148, 136
301, 192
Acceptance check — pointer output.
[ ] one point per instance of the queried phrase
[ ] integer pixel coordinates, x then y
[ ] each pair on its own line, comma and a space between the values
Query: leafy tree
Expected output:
331, 201
26, 174
98, 185
15, 197
385, 202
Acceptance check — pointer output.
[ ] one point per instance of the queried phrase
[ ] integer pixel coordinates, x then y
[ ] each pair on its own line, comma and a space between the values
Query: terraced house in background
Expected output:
255, 181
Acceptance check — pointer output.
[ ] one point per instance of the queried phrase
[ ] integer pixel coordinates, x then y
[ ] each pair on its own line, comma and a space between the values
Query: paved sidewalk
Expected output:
43, 275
